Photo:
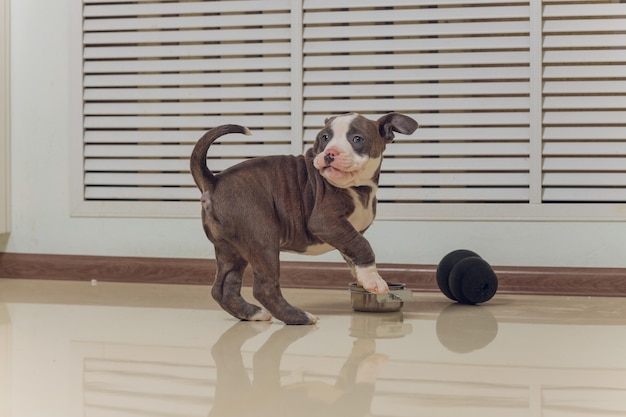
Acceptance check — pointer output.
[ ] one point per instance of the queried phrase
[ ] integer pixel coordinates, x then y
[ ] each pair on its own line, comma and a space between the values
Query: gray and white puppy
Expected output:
308, 204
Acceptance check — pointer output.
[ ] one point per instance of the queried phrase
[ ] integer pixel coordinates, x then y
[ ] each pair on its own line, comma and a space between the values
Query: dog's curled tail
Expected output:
204, 178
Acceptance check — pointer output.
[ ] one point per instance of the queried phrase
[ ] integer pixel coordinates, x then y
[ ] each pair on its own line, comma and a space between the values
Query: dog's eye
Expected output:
357, 139
324, 138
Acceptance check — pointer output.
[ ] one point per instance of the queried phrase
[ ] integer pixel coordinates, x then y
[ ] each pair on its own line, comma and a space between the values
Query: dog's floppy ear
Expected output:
329, 120
395, 122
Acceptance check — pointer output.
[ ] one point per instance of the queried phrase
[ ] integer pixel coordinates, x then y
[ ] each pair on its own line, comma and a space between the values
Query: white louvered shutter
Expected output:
462, 71
584, 102
521, 104
157, 75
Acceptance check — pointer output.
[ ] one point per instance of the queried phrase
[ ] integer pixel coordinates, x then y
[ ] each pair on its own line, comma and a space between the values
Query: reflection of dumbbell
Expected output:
465, 277
464, 329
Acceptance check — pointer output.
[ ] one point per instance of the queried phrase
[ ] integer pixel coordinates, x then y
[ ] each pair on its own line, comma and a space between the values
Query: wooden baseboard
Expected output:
512, 280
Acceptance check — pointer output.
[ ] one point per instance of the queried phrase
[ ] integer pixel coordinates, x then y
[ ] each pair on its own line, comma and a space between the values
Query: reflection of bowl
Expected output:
379, 326
367, 301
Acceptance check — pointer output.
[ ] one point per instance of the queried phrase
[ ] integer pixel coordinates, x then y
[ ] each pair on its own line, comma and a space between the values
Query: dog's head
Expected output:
348, 150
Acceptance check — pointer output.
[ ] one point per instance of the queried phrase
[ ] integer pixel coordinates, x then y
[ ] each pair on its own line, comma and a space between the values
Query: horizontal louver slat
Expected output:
584, 87
407, 45
585, 117
208, 93
584, 41
142, 193
585, 102
595, 179
334, 4
415, 59
183, 22
368, 31
104, 165
456, 164
458, 149
179, 136
416, 14
583, 165
190, 107
181, 80
184, 122
586, 195
575, 57
424, 104
157, 66
454, 179
453, 194
183, 51
582, 10
581, 26
416, 75
157, 37
179, 8
179, 151
473, 134
584, 133
585, 148
153, 179
443, 89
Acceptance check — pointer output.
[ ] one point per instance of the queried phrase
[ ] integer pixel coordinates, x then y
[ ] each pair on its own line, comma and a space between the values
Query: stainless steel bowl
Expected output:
369, 302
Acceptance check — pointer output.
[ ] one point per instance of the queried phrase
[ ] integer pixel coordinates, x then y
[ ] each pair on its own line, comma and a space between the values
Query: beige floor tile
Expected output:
70, 349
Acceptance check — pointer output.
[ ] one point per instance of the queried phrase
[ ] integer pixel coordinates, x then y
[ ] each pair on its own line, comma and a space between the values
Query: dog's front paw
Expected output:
370, 279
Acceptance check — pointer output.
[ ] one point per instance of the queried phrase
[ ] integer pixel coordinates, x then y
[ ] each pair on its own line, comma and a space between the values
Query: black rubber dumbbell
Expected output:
465, 277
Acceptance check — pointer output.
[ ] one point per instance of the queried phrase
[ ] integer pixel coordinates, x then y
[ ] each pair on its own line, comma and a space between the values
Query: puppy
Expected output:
307, 204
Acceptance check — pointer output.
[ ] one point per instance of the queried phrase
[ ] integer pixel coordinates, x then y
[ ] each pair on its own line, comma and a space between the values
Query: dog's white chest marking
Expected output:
361, 218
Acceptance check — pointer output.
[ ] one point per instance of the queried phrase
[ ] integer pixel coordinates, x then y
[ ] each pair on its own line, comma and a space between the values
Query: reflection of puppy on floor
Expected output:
265, 395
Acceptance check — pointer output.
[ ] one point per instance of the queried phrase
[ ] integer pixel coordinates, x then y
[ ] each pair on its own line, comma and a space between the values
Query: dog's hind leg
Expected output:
266, 288
234, 393
227, 286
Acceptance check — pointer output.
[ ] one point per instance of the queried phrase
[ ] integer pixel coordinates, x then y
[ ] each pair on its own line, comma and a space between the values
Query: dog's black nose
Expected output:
329, 158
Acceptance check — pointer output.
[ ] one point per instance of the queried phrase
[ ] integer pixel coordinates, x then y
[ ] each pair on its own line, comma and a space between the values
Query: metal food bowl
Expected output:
363, 300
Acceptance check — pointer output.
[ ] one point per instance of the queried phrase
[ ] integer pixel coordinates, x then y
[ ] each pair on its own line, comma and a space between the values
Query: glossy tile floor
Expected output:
137, 350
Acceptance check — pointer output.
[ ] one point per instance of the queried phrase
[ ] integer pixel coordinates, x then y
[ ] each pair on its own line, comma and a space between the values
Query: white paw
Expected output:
313, 318
370, 279
262, 315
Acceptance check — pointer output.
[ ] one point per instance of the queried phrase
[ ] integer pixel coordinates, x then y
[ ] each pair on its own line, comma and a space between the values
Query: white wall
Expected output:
5, 207
40, 185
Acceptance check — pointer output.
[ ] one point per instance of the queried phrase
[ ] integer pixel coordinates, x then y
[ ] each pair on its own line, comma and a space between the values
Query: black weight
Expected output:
472, 281
445, 266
